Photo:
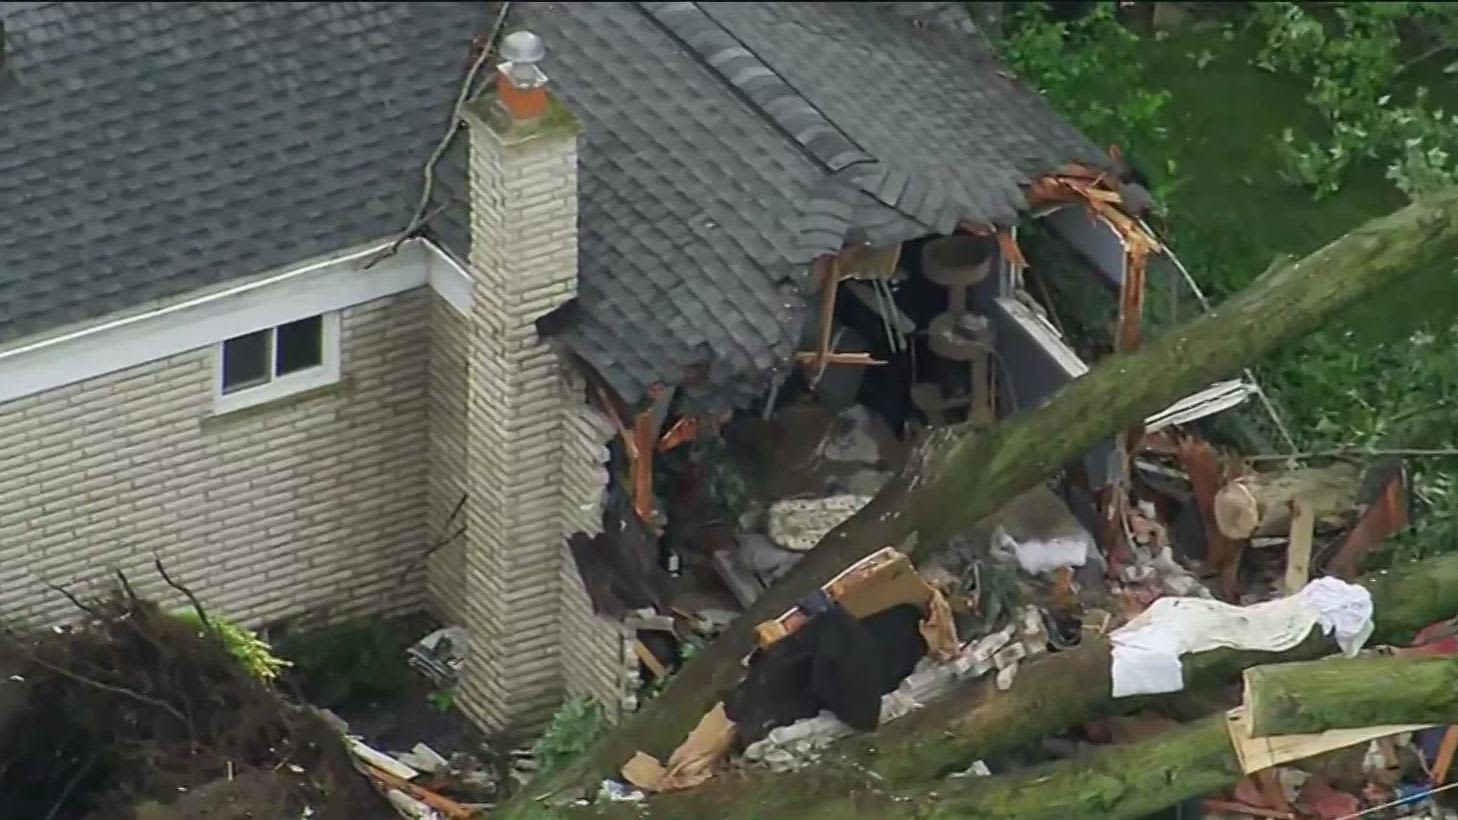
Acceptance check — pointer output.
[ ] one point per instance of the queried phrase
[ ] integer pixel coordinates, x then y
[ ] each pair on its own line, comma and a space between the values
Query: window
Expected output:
277, 361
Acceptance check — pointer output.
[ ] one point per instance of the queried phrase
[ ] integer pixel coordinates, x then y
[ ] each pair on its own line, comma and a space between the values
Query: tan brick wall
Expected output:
520, 390
314, 505
446, 413
597, 656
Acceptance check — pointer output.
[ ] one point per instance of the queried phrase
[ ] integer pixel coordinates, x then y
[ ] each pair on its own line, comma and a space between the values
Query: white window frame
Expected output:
278, 387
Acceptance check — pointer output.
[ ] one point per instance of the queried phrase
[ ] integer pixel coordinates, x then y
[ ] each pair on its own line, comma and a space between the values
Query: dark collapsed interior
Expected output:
943, 325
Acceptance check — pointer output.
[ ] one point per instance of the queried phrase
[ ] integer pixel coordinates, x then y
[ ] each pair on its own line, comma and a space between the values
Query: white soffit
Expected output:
329, 284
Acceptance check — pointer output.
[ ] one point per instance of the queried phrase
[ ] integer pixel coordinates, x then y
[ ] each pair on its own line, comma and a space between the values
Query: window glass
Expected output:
300, 345
245, 361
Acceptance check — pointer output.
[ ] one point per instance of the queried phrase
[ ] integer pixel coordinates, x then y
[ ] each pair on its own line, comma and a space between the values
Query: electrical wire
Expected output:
1399, 802
1266, 402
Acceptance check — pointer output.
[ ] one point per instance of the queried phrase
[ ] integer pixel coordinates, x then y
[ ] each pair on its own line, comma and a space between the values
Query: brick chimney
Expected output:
534, 450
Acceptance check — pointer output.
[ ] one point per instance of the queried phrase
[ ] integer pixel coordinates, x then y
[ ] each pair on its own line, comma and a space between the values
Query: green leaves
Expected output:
1090, 70
251, 652
1352, 54
575, 726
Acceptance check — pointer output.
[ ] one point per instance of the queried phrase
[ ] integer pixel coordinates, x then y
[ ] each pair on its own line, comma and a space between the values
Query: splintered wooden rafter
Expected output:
1089, 187
856, 261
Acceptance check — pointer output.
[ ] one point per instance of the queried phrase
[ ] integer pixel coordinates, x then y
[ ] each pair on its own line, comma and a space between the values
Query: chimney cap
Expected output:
522, 48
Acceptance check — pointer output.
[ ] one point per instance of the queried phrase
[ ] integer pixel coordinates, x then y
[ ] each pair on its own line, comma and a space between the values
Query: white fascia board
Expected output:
449, 277
332, 283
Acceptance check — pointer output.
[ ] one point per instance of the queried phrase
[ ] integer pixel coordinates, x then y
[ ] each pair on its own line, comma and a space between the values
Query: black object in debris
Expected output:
834, 662
619, 566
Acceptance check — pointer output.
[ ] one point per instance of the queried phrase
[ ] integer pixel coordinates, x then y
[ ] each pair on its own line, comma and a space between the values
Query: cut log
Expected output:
1260, 503
959, 476
1311, 697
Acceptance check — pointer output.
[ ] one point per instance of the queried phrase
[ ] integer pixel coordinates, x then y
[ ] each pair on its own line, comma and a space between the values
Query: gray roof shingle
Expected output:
739, 141
152, 149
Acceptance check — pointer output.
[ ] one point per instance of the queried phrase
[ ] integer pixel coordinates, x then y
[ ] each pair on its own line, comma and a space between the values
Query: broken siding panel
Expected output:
312, 506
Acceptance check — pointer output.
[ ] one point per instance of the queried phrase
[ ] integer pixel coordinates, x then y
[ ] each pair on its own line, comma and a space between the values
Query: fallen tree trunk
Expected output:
1126, 781
1310, 697
1049, 695
1071, 687
959, 476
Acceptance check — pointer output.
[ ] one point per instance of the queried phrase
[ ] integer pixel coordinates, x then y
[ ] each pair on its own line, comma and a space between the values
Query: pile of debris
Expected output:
885, 638
132, 712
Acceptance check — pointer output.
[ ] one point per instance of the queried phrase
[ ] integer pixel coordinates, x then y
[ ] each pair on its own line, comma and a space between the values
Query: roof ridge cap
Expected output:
754, 80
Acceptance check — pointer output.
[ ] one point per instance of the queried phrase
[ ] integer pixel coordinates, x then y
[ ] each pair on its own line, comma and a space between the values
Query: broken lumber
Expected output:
1260, 503
1315, 696
1298, 549
958, 476
441, 803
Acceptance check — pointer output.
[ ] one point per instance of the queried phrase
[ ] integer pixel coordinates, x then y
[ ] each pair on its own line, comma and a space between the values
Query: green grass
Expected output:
1368, 377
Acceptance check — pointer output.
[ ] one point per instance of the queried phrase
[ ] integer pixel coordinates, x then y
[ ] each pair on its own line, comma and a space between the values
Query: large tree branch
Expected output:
1310, 697
1126, 781
958, 477
1050, 695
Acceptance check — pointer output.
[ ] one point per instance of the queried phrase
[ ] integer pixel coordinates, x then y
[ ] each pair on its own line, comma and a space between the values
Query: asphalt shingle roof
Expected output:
738, 141
151, 149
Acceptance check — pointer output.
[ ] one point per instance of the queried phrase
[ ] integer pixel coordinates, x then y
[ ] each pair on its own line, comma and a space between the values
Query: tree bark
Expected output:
958, 477
1125, 781
1049, 695
1067, 688
1311, 697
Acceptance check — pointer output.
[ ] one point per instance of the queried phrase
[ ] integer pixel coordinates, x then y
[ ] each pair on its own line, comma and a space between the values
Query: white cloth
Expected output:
1044, 555
1147, 650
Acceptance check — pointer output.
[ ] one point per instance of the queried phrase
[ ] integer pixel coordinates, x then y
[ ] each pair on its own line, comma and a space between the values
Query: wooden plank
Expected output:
379, 760
1446, 750
829, 284
644, 437
650, 660
1257, 753
447, 806
810, 357
1298, 553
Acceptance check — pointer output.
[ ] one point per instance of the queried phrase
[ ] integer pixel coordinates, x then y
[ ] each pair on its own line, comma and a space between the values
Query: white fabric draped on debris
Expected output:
1147, 650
